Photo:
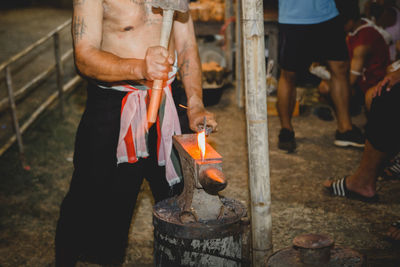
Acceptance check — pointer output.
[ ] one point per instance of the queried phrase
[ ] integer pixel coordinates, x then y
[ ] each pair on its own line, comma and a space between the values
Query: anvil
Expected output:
203, 179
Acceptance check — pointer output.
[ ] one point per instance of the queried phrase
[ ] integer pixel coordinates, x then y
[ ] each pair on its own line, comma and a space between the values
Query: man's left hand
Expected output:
196, 113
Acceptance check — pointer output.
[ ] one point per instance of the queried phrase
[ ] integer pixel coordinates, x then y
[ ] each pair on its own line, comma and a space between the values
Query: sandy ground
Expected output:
29, 200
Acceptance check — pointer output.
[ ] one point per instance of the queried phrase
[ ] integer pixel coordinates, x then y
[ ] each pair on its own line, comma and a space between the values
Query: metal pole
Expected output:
14, 112
239, 55
59, 70
257, 130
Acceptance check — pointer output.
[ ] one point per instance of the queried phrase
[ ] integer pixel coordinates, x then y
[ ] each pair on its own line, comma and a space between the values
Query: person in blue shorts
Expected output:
312, 31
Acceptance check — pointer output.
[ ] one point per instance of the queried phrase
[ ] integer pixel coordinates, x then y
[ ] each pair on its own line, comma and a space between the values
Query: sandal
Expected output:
394, 229
338, 188
392, 171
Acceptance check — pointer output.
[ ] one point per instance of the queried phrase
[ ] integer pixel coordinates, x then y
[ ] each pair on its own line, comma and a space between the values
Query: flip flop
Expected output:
338, 188
392, 171
395, 225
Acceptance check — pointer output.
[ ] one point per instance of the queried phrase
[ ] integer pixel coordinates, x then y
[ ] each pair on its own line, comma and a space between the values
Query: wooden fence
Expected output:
14, 95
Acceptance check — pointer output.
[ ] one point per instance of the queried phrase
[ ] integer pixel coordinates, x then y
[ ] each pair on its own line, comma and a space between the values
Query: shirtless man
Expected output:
116, 50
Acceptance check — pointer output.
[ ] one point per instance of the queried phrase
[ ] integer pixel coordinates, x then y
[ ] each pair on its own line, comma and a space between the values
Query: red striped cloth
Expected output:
132, 143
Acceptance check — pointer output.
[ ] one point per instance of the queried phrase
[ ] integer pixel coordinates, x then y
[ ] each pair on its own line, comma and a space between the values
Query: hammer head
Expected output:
176, 5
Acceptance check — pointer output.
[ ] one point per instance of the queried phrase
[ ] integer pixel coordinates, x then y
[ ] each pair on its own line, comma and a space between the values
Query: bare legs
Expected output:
340, 93
363, 180
286, 98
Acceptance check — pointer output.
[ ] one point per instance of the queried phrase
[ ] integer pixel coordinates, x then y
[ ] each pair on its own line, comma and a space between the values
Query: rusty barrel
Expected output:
200, 243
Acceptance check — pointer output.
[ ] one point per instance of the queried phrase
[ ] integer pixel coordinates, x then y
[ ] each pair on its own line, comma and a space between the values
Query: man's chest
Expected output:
131, 14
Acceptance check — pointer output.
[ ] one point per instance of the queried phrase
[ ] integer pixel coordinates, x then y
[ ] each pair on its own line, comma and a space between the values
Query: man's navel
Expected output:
129, 28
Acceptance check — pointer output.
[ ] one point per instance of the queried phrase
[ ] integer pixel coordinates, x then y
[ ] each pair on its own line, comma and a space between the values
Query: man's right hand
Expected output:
157, 63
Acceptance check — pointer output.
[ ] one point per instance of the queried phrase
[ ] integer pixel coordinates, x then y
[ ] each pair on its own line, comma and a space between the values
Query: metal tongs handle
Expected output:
207, 129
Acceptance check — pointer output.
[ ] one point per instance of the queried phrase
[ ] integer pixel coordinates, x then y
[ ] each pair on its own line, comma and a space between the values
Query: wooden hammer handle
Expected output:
156, 91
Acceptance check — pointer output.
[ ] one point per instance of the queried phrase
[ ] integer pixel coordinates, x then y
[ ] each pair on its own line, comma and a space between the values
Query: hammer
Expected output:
168, 7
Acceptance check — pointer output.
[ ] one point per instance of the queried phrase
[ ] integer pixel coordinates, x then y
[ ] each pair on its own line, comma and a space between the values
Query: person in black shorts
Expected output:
300, 45
382, 143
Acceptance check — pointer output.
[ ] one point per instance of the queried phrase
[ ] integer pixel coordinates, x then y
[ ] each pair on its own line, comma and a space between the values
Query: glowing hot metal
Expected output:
201, 142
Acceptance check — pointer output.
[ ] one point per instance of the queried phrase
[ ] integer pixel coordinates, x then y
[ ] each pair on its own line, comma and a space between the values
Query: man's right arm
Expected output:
97, 64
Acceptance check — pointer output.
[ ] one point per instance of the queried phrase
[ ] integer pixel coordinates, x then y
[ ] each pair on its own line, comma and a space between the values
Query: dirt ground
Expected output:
29, 200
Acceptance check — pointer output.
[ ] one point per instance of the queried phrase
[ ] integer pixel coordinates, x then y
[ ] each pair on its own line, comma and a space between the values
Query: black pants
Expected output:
96, 213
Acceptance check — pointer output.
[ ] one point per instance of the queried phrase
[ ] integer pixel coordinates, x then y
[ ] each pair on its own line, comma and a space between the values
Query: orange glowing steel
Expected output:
201, 142
214, 176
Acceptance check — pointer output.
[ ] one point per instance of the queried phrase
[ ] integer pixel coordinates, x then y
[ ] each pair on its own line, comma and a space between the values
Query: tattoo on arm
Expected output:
79, 28
184, 68
185, 62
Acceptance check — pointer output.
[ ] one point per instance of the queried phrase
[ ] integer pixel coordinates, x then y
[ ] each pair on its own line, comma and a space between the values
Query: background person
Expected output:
368, 49
311, 31
382, 143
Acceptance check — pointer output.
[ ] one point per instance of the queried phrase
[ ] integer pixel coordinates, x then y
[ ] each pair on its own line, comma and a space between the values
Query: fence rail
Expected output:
10, 101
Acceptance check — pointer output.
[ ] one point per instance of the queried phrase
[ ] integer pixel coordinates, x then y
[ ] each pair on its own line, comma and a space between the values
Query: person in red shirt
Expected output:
368, 51
368, 48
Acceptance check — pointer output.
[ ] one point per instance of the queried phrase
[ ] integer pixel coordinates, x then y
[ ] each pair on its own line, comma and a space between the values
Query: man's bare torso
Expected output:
130, 27
118, 40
